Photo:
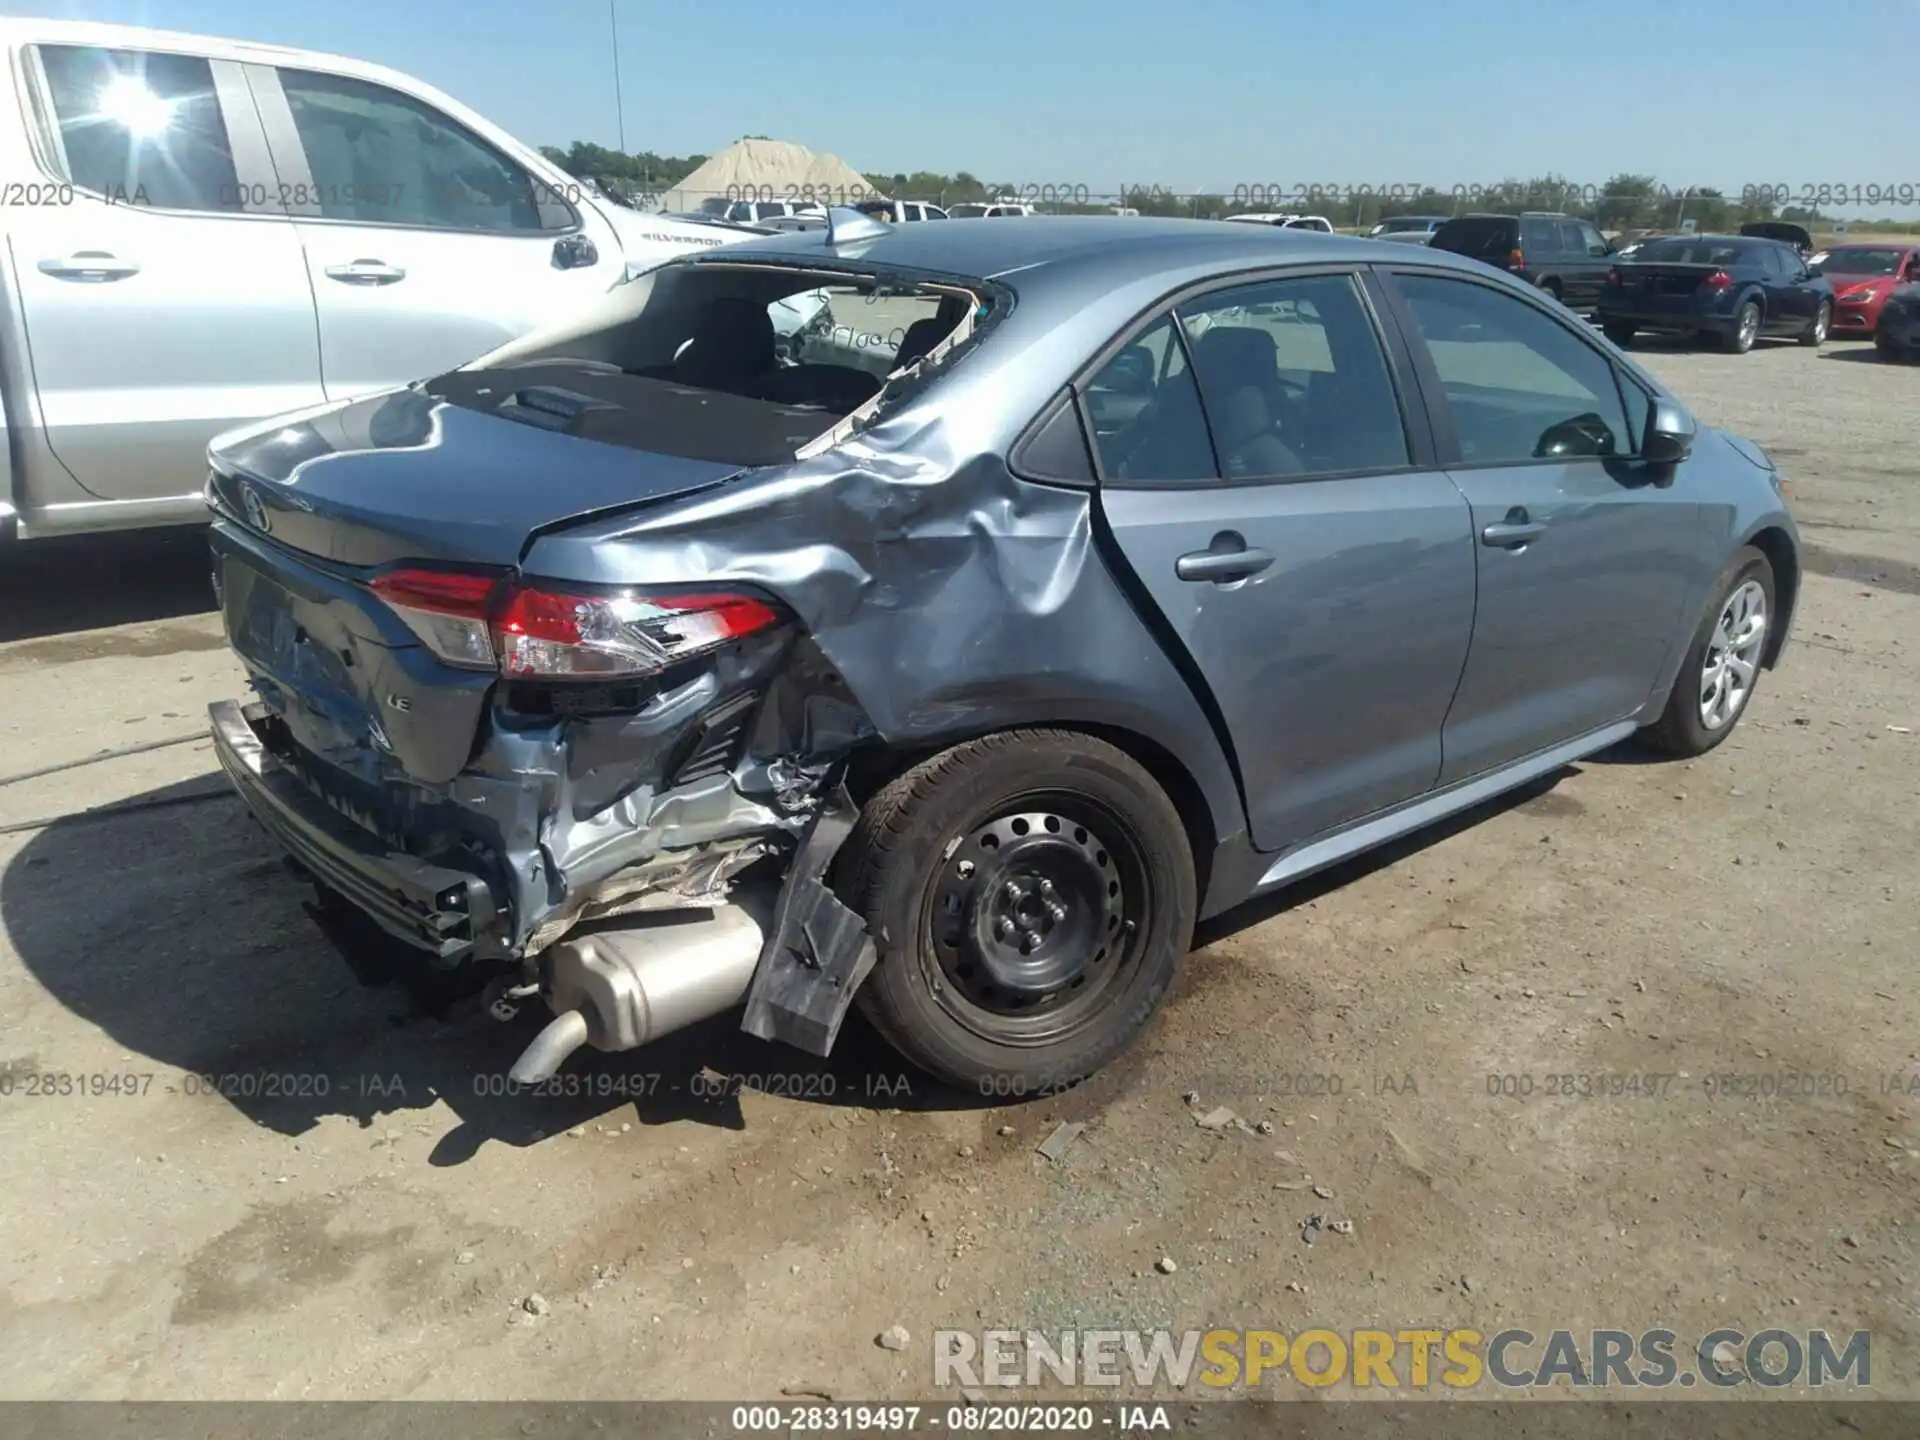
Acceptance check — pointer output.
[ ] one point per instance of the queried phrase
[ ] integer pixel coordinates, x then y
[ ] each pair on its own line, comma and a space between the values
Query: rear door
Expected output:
1284, 526
1540, 247
165, 297
426, 245
1585, 563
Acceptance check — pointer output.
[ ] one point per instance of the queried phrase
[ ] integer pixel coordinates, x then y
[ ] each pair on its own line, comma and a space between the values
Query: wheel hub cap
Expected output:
1027, 907
1732, 660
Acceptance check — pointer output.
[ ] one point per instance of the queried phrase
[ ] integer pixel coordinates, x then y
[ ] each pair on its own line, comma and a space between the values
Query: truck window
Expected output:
141, 126
383, 158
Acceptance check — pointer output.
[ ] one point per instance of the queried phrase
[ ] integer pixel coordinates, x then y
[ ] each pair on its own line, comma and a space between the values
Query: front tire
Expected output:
1722, 664
1816, 333
1030, 894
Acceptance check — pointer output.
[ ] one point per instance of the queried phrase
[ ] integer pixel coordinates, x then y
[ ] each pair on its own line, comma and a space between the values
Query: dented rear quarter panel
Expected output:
952, 596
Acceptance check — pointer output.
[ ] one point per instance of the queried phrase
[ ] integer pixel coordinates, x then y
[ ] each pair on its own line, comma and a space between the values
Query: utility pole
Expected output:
619, 108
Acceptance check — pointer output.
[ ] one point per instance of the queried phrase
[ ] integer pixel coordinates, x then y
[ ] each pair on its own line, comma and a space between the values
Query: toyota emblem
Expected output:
256, 509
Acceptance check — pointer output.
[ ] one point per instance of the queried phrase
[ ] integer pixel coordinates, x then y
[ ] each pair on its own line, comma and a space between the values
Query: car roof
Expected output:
27, 30
1060, 247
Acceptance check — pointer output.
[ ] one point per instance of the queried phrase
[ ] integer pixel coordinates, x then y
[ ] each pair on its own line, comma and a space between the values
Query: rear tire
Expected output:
1621, 335
1711, 693
1746, 329
1816, 333
1552, 287
1031, 895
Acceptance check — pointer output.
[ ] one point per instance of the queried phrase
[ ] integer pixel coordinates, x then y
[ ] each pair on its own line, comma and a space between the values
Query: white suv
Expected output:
993, 211
204, 232
1287, 221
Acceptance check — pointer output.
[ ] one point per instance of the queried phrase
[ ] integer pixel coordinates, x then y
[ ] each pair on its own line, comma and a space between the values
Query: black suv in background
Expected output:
1566, 257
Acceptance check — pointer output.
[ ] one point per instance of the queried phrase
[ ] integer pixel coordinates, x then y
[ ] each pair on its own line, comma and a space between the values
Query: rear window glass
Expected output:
746, 364
1695, 252
1476, 236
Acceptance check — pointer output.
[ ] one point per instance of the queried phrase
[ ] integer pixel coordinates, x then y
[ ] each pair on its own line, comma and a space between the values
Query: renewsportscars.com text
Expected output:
1415, 1358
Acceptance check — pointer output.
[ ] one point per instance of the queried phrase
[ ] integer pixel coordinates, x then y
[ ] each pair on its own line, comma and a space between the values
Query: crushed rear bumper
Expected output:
451, 914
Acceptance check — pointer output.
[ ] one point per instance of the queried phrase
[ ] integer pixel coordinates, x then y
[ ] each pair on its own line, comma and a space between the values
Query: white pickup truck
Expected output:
201, 232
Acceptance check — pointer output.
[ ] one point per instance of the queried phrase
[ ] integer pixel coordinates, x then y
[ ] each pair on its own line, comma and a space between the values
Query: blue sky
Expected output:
1192, 94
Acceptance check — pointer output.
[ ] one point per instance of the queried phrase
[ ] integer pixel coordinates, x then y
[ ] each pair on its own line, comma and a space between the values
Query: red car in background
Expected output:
1863, 275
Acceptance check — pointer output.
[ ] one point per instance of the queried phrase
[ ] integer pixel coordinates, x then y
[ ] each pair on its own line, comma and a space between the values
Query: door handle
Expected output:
1513, 533
1229, 558
90, 265
366, 272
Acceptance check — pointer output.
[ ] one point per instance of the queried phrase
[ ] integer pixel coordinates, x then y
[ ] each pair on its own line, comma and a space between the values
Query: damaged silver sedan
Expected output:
947, 617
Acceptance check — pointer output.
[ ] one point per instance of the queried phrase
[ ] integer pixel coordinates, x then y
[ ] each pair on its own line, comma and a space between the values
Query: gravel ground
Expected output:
360, 1217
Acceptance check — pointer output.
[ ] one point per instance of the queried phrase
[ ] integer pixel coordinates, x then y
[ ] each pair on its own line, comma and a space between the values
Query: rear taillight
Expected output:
560, 633
447, 609
1516, 259
1613, 276
1718, 280
531, 631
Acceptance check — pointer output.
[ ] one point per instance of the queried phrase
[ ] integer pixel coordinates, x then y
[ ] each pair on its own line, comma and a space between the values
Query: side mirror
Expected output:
1669, 437
574, 252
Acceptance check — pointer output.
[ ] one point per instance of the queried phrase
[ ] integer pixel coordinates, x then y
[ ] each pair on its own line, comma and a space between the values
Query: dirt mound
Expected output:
769, 170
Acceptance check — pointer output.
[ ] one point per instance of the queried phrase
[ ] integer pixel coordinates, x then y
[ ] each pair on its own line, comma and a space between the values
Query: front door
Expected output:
1584, 562
426, 246
1275, 517
165, 298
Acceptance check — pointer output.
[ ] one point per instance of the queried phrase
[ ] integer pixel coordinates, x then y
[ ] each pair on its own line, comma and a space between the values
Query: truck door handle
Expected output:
1228, 558
366, 272
1513, 533
89, 265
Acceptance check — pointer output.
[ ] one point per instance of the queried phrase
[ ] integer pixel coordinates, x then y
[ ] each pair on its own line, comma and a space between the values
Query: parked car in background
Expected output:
1724, 288
1565, 257
899, 212
1286, 221
636, 667
1863, 276
752, 212
1415, 229
1896, 334
993, 210
1633, 247
205, 231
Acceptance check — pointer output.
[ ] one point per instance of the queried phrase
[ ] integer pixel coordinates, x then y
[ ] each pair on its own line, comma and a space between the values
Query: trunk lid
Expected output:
1663, 278
312, 507
406, 476
1792, 234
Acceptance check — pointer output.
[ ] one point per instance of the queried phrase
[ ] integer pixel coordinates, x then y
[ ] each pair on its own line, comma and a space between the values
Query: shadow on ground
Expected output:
85, 582
176, 930
1859, 354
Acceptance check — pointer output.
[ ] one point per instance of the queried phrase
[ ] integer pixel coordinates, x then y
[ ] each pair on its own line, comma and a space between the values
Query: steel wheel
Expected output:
1033, 917
1732, 657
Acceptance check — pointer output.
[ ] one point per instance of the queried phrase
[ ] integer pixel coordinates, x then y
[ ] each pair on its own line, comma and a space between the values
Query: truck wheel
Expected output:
1030, 894
1722, 664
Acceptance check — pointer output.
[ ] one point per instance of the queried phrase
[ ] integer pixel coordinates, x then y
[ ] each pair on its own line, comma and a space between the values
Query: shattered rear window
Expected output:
743, 363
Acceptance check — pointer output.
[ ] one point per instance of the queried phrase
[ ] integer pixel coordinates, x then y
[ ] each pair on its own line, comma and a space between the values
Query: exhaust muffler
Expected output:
618, 989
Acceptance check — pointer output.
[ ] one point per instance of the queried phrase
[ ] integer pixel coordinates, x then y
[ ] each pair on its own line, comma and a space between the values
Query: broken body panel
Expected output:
927, 594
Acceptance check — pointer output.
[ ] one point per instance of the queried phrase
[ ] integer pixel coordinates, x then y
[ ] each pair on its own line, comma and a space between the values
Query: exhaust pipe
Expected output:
620, 989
